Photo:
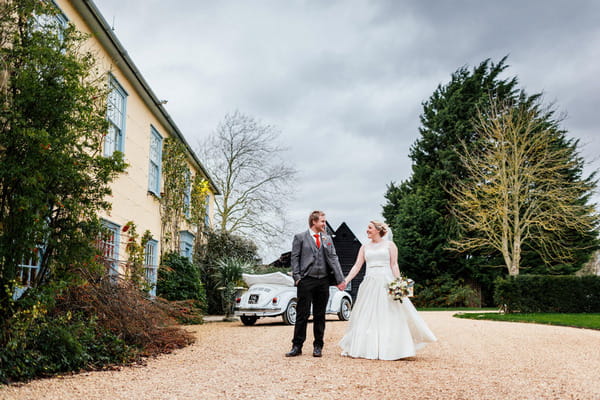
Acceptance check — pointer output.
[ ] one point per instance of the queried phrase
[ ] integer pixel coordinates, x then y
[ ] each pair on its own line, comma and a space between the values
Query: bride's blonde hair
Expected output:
381, 227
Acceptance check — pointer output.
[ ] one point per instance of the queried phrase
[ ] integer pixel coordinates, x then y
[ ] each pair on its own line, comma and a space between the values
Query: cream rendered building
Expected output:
139, 124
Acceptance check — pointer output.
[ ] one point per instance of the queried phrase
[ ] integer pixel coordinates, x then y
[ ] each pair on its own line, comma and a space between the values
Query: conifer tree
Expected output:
53, 175
418, 209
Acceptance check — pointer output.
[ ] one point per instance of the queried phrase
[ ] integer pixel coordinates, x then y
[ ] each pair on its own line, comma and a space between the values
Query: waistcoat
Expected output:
319, 267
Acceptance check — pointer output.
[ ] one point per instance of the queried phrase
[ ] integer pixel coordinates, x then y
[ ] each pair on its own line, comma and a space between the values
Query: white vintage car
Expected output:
270, 295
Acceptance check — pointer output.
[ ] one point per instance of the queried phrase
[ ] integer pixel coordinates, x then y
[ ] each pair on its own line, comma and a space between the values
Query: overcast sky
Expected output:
344, 80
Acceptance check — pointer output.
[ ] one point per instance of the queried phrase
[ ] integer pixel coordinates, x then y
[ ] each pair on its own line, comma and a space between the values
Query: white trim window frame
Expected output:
55, 23
108, 244
151, 265
30, 267
27, 271
155, 168
116, 115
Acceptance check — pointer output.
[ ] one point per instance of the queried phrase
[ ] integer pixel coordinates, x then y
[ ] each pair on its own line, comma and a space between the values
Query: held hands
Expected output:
342, 285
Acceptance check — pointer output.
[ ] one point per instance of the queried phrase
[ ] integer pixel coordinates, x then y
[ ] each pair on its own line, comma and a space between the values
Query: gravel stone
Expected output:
472, 360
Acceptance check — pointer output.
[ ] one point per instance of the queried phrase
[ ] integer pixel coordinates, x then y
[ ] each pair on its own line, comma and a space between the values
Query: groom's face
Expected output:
319, 225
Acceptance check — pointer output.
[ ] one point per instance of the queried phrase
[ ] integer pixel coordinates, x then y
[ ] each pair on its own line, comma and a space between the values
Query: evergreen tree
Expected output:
418, 210
53, 177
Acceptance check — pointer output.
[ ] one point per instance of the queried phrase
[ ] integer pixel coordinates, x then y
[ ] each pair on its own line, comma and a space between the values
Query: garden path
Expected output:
472, 360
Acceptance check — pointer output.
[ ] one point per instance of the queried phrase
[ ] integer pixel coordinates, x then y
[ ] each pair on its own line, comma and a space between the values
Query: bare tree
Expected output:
520, 186
247, 164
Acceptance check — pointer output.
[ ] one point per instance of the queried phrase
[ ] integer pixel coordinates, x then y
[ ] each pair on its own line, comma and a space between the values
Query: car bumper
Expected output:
258, 312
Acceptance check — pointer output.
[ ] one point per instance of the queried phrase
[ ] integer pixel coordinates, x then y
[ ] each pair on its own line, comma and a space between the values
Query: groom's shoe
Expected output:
317, 352
296, 351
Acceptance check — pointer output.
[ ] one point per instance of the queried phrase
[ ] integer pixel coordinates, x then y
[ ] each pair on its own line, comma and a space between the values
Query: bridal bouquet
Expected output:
400, 287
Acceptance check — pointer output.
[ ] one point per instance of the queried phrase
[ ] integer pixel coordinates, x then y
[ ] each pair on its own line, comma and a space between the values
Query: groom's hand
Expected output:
342, 285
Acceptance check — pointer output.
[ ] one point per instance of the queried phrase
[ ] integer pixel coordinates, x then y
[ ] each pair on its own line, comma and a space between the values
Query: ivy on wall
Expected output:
136, 249
179, 184
198, 203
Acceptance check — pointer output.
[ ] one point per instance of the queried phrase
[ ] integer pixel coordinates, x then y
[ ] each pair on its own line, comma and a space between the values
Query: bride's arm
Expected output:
360, 260
394, 260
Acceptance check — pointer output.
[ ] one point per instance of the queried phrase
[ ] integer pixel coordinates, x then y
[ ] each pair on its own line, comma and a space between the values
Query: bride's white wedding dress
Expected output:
380, 327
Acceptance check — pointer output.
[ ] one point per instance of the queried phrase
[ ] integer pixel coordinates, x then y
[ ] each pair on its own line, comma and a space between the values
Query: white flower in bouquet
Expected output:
400, 287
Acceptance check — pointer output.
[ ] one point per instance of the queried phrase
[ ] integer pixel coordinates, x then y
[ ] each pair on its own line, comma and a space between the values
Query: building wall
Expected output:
131, 200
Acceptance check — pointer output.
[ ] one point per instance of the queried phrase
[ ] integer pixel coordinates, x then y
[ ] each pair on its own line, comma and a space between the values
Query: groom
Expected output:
313, 263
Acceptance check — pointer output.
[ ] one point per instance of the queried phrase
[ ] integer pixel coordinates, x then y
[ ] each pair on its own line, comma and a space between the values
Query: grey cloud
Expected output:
344, 80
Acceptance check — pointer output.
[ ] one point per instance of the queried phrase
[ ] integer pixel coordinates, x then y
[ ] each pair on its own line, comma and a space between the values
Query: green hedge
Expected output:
549, 293
179, 279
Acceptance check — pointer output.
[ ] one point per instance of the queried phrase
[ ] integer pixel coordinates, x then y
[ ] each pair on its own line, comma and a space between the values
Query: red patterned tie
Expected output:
318, 241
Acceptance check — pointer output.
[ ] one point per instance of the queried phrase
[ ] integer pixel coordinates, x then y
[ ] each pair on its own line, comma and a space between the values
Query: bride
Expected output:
380, 327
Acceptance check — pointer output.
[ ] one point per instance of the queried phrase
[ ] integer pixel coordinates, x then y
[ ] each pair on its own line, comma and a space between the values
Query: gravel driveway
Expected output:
471, 360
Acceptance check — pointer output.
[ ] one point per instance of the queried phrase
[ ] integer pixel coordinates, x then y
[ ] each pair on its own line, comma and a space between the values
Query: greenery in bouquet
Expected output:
400, 287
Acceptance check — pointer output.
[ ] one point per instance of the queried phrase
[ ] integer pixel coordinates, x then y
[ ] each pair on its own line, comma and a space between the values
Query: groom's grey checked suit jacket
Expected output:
305, 254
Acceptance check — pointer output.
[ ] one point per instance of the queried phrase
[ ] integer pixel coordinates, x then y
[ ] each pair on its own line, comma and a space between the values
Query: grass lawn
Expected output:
589, 321
456, 309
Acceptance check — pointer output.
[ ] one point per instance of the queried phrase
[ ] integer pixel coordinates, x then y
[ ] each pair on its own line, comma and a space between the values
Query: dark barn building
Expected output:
346, 245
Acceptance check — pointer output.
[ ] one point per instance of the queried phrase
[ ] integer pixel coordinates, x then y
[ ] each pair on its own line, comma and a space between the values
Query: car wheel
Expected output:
345, 308
289, 316
248, 320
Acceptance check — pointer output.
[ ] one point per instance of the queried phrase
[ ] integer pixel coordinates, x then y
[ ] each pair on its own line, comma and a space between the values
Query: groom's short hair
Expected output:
314, 217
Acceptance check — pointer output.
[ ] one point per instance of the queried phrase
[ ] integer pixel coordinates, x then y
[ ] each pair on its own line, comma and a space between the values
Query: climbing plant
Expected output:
179, 185
176, 178
136, 249
198, 202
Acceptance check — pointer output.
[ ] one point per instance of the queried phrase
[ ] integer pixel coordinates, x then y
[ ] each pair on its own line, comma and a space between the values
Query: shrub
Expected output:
182, 293
124, 310
549, 293
227, 276
100, 322
43, 340
219, 246
445, 291
179, 279
186, 312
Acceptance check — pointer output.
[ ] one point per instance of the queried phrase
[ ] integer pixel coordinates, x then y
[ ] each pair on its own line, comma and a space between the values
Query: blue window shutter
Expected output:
186, 244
